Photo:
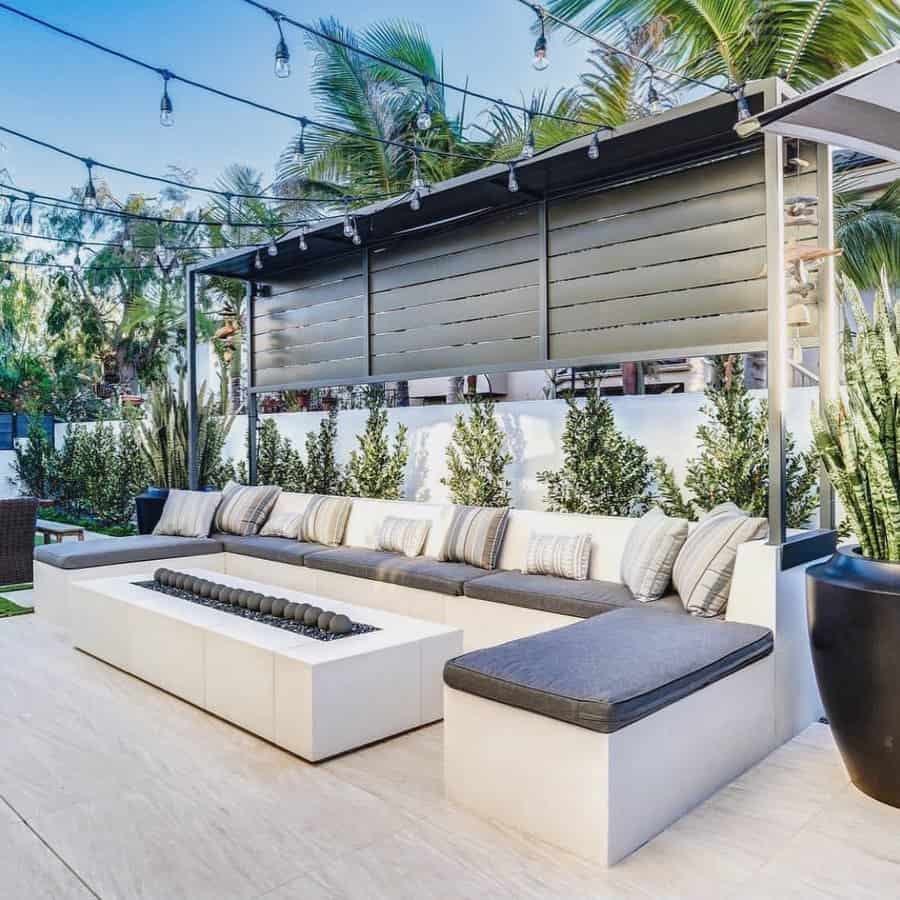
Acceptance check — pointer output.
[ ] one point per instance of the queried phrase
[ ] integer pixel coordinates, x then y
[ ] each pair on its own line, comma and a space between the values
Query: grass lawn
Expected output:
7, 607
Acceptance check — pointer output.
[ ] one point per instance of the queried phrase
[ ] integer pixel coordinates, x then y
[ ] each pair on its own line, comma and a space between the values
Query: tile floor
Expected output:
110, 788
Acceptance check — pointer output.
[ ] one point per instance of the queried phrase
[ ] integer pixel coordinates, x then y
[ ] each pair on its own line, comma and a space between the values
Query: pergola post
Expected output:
776, 357
829, 316
193, 419
252, 404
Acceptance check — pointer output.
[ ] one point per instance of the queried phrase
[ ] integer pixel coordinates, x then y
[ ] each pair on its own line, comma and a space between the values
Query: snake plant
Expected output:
165, 435
857, 436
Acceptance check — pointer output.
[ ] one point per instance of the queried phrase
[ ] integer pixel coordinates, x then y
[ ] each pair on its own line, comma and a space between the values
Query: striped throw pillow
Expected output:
188, 513
705, 565
286, 517
244, 509
475, 536
406, 536
325, 520
650, 554
566, 556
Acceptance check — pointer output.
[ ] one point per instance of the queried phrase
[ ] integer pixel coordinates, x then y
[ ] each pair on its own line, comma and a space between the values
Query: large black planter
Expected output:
149, 506
853, 605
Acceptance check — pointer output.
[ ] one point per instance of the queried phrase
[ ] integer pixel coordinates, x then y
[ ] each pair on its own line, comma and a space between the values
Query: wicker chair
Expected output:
17, 521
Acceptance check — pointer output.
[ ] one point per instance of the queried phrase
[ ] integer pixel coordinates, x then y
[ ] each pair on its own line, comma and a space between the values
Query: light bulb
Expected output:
415, 202
357, 240
540, 60
302, 243
272, 249
7, 279
257, 262
299, 152
8, 218
654, 104
528, 146
348, 226
594, 147
743, 107
513, 184
423, 119
76, 263
282, 58
27, 220
128, 245
166, 109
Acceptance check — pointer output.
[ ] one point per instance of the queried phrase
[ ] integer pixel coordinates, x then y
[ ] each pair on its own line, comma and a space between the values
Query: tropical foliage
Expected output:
858, 437
604, 472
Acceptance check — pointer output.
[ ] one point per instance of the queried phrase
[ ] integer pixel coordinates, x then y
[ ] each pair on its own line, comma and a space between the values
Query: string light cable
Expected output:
74, 268
112, 244
169, 76
280, 18
544, 15
92, 163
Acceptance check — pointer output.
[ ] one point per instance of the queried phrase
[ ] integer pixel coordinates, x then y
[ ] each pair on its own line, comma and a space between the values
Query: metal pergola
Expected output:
637, 151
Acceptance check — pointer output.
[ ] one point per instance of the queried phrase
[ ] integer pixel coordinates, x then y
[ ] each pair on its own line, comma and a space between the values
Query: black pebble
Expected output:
340, 624
324, 620
279, 604
311, 616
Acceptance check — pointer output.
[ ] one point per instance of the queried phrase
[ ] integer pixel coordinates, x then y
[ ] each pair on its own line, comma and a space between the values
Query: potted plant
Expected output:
853, 600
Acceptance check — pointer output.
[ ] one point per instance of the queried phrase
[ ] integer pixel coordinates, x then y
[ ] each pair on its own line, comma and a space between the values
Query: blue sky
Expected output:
76, 97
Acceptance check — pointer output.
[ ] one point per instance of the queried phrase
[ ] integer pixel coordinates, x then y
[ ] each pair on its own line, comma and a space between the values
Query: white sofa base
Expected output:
53, 586
602, 796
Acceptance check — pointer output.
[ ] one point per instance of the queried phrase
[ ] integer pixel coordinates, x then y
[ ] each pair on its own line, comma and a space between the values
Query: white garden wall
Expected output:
8, 487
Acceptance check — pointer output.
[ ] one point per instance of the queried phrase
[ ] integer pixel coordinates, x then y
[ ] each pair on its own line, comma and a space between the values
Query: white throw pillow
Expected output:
286, 517
406, 536
325, 520
565, 556
188, 513
650, 554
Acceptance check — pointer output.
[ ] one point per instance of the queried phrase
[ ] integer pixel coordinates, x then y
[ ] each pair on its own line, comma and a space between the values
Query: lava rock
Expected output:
279, 604
265, 605
311, 616
324, 620
300, 612
340, 624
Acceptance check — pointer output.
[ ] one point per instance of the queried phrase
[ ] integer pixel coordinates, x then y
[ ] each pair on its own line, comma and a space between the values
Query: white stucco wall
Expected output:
8, 488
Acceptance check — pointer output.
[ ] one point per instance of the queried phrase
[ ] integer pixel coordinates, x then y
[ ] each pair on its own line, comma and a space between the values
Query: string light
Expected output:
348, 224
257, 262
423, 119
528, 146
166, 108
28, 219
127, 242
513, 183
76, 263
540, 60
743, 107
302, 242
418, 184
89, 201
282, 53
300, 146
594, 147
272, 249
8, 218
7, 279
654, 104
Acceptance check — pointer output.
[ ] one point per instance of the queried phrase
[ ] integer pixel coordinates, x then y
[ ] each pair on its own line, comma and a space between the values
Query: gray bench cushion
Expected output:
609, 671
563, 596
116, 551
394, 568
275, 549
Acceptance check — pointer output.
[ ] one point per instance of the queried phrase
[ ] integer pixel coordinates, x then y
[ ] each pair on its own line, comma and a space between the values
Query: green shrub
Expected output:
477, 458
376, 470
35, 460
604, 472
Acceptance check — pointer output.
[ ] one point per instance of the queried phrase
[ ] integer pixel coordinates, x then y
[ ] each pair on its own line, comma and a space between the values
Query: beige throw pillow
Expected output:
475, 536
325, 520
565, 556
188, 513
406, 536
650, 553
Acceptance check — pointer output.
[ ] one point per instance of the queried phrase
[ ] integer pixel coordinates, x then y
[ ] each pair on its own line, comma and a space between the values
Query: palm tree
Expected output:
803, 41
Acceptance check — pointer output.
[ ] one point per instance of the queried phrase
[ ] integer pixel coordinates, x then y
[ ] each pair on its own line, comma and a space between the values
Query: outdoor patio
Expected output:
112, 788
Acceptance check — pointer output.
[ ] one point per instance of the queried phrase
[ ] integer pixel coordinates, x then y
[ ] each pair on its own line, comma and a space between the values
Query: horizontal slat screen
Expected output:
673, 265
462, 298
313, 326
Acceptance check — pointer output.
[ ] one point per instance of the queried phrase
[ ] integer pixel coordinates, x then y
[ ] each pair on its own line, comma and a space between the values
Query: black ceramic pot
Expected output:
853, 604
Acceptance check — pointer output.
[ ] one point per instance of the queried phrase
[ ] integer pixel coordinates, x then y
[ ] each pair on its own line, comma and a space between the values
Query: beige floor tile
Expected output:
29, 871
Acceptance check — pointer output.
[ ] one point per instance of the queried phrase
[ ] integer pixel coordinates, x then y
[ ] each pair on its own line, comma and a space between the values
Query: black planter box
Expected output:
149, 507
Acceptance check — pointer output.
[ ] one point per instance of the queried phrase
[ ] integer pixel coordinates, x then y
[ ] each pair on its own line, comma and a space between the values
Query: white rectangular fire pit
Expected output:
315, 698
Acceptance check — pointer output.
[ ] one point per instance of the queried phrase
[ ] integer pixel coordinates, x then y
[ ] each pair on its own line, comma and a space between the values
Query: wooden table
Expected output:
56, 531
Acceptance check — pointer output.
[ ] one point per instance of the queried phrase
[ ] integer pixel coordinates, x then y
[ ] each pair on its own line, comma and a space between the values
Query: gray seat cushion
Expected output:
116, 551
275, 549
394, 568
609, 671
560, 595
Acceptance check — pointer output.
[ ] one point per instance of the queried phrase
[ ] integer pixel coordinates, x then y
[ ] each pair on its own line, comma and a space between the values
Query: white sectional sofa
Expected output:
737, 686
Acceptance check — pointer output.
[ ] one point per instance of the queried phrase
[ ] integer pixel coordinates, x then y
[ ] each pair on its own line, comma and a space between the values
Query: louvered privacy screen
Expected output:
670, 266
